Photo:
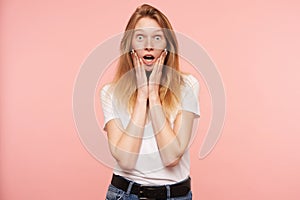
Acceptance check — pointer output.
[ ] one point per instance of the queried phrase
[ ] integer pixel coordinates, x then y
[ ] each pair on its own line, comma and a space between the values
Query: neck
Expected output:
148, 73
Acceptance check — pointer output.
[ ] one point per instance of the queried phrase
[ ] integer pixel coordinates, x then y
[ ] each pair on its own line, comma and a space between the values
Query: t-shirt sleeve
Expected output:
107, 105
190, 100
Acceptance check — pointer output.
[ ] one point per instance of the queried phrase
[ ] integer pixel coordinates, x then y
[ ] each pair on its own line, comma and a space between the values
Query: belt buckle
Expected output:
142, 193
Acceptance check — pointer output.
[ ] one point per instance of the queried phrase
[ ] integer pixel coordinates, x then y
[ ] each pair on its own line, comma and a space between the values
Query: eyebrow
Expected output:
142, 30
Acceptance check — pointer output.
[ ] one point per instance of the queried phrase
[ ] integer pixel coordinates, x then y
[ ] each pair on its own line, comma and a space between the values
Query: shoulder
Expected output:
190, 94
106, 90
106, 87
190, 81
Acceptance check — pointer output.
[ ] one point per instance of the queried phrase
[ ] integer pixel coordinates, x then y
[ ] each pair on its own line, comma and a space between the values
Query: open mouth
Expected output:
148, 59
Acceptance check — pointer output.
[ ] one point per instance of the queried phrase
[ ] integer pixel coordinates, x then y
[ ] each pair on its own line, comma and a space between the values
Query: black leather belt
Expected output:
152, 192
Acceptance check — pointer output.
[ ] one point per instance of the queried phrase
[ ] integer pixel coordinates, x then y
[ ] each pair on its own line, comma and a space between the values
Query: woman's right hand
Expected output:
141, 78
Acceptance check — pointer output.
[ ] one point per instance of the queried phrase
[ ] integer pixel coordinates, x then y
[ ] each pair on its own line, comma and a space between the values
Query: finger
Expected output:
163, 55
132, 54
141, 74
156, 65
136, 64
154, 77
143, 70
141, 63
161, 63
136, 60
140, 71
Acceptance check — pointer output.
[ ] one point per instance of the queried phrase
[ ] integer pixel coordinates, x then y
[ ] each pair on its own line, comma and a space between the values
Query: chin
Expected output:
149, 68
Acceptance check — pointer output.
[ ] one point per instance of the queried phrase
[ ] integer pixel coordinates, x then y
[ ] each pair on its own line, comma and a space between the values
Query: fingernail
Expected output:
166, 51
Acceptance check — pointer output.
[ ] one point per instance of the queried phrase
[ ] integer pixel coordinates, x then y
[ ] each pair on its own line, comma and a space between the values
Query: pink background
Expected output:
254, 45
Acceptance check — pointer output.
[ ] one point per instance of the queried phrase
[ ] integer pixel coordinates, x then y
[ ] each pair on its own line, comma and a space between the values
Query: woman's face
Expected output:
148, 41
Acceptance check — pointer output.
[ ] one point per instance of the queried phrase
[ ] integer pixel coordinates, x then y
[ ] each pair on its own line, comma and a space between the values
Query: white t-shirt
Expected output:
149, 169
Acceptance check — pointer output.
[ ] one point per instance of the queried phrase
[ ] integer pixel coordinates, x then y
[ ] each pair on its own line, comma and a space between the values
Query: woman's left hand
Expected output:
155, 77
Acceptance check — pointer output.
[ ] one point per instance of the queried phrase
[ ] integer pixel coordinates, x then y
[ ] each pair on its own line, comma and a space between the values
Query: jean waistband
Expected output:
153, 192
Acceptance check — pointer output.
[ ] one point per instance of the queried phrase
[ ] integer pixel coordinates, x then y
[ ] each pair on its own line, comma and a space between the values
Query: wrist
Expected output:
141, 100
141, 96
153, 87
154, 99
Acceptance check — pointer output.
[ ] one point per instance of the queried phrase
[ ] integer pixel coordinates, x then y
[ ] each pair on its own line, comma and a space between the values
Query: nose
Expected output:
148, 45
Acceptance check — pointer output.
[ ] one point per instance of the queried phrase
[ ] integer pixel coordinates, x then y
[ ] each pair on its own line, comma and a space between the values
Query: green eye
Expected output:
140, 37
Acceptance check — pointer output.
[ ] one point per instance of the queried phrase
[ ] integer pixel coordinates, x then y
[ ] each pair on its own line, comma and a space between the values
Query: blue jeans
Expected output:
114, 193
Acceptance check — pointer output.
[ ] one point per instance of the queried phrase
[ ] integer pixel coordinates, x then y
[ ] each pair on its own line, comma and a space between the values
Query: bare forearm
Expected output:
128, 146
168, 143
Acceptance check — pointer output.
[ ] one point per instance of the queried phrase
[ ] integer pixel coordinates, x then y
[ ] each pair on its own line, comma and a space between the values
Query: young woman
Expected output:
149, 111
